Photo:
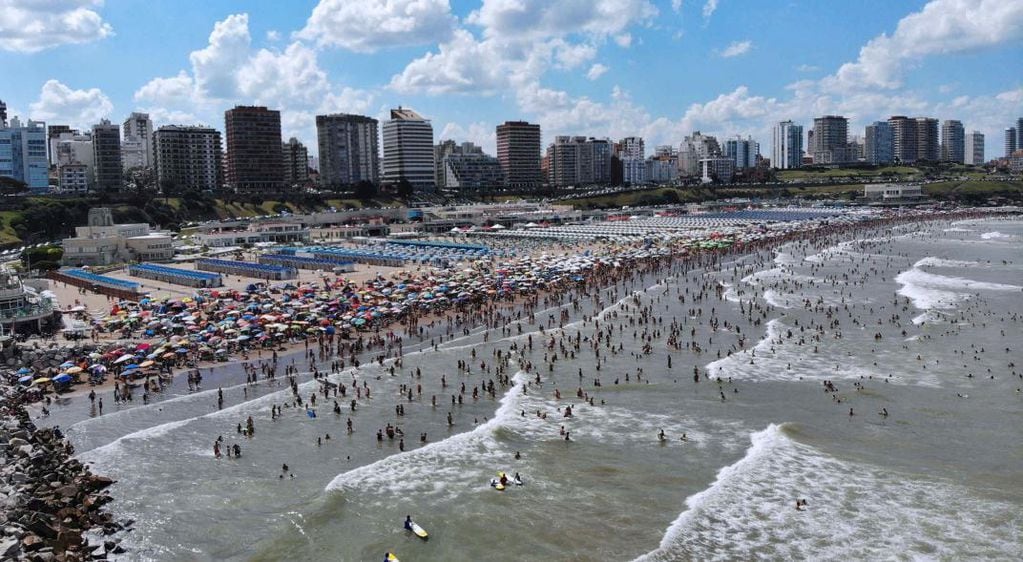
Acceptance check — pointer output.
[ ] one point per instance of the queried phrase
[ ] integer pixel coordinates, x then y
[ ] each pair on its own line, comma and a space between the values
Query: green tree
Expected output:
365, 190
405, 189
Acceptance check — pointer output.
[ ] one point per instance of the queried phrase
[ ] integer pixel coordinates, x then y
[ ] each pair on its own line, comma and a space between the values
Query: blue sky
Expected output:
658, 69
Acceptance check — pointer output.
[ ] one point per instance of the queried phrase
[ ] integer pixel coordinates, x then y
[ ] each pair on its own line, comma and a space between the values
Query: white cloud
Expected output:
676, 6
369, 25
215, 66
1011, 96
34, 25
624, 40
807, 68
941, 27
572, 55
709, 8
520, 41
227, 71
479, 133
291, 77
464, 65
532, 18
737, 48
596, 71
273, 35
347, 100
58, 103
168, 91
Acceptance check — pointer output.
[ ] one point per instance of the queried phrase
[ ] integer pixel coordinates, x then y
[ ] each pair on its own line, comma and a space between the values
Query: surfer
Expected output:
408, 522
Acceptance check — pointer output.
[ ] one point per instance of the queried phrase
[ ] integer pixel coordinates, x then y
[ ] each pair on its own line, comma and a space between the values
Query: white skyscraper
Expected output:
137, 146
408, 150
787, 147
975, 148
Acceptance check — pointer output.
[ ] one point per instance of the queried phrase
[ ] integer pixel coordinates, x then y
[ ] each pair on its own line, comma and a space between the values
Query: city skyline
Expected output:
593, 68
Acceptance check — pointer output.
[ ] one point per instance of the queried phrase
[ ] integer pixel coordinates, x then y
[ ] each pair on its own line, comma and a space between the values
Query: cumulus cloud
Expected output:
370, 25
173, 90
737, 48
940, 27
228, 71
596, 71
59, 103
520, 41
215, 66
544, 18
30, 26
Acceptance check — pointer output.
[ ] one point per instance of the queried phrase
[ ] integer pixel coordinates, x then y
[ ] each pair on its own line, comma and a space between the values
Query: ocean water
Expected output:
922, 321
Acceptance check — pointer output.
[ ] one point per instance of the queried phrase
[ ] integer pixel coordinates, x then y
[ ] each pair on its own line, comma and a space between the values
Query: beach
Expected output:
676, 406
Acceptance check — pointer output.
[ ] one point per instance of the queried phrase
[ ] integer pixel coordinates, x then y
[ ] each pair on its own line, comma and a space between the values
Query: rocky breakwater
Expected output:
42, 357
51, 505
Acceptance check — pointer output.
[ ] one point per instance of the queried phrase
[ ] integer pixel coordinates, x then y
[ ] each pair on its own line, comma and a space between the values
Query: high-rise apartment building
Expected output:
3, 115
662, 167
106, 156
53, 133
928, 145
254, 163
441, 150
830, 140
23, 154
296, 163
518, 151
348, 150
137, 146
628, 164
915, 139
408, 150
787, 146
696, 147
579, 161
975, 148
630, 147
74, 149
742, 151
878, 148
188, 158
464, 167
953, 141
1010, 141
903, 138
74, 178
1019, 133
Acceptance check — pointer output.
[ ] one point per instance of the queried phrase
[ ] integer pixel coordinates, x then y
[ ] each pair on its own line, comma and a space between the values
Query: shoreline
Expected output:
599, 278
518, 301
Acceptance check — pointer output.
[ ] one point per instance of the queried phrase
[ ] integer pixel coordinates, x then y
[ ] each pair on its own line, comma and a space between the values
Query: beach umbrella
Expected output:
41, 380
24, 371
66, 364
25, 379
123, 358
147, 364
74, 370
62, 378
